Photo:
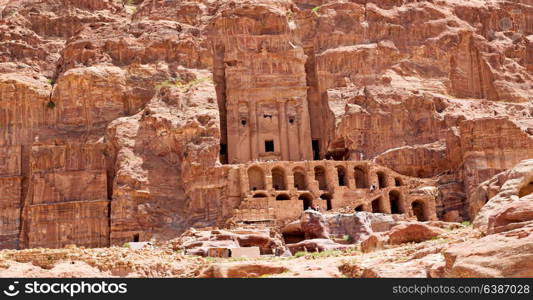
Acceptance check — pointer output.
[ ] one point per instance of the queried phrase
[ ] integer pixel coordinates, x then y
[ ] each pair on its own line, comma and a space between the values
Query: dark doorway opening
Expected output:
320, 176
278, 179
398, 182
359, 208
341, 174
256, 178
376, 206
418, 210
300, 183
395, 207
136, 238
327, 197
223, 153
360, 178
316, 149
307, 200
382, 180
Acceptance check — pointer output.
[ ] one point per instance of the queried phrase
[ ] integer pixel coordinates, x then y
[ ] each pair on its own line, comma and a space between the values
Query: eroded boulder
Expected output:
413, 232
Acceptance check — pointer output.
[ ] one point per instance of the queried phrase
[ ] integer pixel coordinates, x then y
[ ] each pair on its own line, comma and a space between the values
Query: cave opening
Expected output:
376, 205
395, 205
418, 210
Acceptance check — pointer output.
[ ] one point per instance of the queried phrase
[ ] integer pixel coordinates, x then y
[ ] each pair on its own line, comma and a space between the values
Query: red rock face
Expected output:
119, 118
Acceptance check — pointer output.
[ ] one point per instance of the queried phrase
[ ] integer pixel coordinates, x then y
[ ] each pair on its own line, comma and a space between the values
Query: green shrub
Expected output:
316, 10
315, 255
51, 104
466, 224
347, 238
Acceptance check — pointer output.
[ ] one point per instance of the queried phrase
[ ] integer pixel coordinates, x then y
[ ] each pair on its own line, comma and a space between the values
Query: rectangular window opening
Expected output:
269, 146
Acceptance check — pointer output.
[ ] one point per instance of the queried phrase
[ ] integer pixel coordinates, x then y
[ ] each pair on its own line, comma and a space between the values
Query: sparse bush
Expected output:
347, 238
51, 104
183, 86
466, 224
316, 9
316, 255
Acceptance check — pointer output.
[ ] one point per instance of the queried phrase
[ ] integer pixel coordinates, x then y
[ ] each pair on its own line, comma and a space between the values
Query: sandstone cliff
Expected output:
119, 119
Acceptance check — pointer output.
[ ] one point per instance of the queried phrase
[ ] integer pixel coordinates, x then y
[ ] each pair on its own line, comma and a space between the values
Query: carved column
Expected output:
254, 141
284, 135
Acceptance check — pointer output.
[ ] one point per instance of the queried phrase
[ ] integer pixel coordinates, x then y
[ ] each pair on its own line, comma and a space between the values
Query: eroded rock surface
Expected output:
135, 122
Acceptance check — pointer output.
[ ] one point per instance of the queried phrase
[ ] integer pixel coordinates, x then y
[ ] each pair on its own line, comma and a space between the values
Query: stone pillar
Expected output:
306, 151
350, 174
386, 202
254, 130
245, 184
233, 132
284, 134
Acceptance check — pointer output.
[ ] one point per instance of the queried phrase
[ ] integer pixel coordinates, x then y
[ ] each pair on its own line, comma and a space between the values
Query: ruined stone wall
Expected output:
280, 191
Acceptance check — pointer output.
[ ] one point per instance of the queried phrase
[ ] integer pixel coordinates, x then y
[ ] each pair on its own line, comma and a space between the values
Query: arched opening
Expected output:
398, 181
359, 208
418, 210
283, 197
328, 198
260, 195
376, 205
341, 174
320, 177
395, 204
300, 183
307, 200
382, 180
526, 190
256, 178
278, 179
360, 178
